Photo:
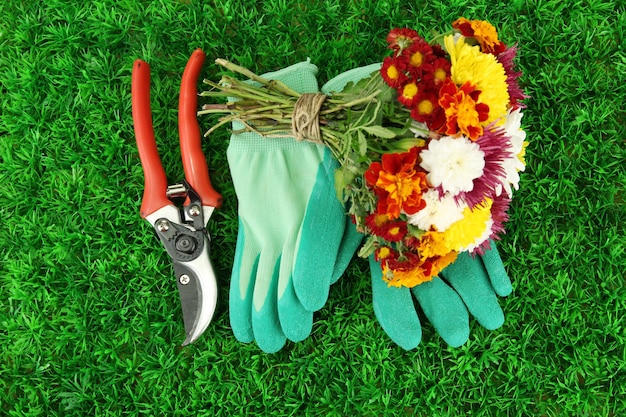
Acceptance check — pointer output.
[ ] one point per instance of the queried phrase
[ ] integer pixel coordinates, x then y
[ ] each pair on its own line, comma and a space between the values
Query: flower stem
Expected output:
272, 84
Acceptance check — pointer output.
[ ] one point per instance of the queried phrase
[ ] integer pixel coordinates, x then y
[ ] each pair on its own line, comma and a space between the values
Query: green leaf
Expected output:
362, 143
368, 247
343, 178
381, 132
414, 230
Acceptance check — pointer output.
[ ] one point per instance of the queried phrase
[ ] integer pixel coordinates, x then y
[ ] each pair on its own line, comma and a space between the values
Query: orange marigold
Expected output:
463, 113
484, 32
397, 183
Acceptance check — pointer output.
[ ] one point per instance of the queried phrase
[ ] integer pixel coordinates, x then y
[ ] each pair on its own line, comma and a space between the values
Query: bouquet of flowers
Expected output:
429, 147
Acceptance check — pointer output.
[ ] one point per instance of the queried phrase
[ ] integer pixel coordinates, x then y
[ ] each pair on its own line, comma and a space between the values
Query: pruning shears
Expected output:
182, 230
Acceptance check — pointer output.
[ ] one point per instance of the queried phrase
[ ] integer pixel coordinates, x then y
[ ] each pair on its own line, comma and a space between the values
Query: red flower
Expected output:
399, 39
384, 254
427, 110
392, 72
391, 231
441, 70
376, 223
397, 183
408, 93
419, 57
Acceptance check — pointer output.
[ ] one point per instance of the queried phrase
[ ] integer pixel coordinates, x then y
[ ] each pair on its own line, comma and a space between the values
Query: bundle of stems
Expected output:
346, 119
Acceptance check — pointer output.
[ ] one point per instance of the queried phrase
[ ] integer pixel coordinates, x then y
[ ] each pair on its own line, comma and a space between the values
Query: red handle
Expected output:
194, 161
154, 194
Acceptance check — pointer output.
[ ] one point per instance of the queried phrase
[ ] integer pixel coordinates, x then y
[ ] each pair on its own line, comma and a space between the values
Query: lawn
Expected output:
90, 320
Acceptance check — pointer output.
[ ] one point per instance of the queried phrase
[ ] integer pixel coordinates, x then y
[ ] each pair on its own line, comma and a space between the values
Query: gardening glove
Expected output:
290, 244
469, 284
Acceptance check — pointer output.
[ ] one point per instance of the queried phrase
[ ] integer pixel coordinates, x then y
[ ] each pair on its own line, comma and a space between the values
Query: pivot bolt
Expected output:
186, 244
184, 279
194, 211
163, 225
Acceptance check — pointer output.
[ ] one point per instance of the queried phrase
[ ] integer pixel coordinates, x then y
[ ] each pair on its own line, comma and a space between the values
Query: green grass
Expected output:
90, 322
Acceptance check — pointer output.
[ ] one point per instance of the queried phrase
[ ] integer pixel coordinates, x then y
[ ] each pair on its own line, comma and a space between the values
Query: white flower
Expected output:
453, 163
514, 164
439, 212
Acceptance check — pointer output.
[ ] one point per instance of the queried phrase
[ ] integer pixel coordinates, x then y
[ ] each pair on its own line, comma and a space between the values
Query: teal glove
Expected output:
290, 245
469, 284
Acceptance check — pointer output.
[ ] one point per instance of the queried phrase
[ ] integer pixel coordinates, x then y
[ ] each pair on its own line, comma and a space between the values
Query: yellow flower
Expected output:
433, 244
483, 71
442, 262
405, 277
472, 229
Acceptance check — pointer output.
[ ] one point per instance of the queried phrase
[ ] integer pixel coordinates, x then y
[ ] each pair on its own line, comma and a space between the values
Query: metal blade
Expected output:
197, 288
190, 293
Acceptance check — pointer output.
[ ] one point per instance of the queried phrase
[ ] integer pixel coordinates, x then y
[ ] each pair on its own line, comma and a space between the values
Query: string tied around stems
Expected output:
305, 123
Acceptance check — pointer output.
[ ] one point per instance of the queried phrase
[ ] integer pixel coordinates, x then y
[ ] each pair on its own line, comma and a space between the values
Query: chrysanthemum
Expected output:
392, 72
514, 162
515, 92
440, 212
441, 70
376, 222
452, 164
427, 110
483, 72
408, 93
495, 146
399, 39
470, 232
391, 231
385, 253
419, 58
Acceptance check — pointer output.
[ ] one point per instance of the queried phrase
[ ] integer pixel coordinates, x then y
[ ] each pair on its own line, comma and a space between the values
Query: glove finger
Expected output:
349, 244
319, 240
241, 288
265, 322
394, 310
469, 279
445, 310
495, 269
295, 321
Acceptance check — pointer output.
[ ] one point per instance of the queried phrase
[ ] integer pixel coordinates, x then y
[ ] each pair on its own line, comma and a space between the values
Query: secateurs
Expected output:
181, 230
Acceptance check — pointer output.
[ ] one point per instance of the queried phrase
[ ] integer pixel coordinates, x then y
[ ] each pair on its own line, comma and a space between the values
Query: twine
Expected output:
305, 121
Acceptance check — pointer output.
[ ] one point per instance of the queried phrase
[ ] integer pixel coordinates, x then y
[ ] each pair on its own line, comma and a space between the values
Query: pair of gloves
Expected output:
294, 241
